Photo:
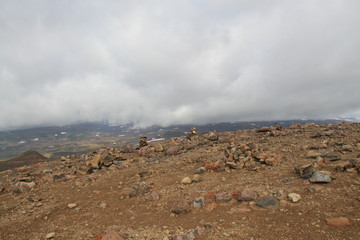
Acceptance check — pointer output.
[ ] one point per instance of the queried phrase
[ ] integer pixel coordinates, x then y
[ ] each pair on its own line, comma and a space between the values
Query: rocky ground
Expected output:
301, 182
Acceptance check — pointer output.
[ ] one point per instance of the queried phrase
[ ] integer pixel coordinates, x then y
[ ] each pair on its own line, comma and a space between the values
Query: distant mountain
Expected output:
26, 158
83, 137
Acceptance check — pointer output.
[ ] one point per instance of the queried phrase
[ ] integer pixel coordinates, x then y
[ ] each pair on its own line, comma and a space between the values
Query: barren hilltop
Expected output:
300, 182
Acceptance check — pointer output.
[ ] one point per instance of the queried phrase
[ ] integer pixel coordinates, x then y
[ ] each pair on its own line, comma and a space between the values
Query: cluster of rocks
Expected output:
249, 156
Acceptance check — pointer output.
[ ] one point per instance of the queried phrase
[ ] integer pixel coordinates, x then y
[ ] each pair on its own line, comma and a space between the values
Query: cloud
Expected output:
156, 62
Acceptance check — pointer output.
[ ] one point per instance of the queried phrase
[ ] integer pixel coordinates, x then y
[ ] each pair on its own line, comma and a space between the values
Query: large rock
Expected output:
95, 161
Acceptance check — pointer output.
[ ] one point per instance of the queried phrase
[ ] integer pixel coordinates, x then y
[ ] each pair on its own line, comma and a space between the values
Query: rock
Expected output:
103, 205
84, 169
196, 178
351, 170
72, 205
57, 177
138, 189
112, 235
268, 203
200, 170
312, 154
159, 147
320, 177
338, 221
247, 195
50, 235
25, 186
343, 166
186, 180
222, 197
347, 148
173, 150
306, 170
154, 196
199, 202
294, 197
331, 156
271, 161
263, 129
182, 207
95, 161
143, 142
213, 136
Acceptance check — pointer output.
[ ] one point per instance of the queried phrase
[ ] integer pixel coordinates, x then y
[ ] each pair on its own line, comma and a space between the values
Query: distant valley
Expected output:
81, 138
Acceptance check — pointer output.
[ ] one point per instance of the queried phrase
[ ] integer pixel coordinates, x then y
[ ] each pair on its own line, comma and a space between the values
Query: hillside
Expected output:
26, 158
300, 182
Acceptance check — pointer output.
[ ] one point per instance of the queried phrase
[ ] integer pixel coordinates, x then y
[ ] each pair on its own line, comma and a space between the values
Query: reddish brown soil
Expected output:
35, 213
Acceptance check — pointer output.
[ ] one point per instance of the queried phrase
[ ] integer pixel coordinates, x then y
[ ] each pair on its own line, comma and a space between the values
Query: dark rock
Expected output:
263, 129
143, 142
268, 202
60, 176
182, 207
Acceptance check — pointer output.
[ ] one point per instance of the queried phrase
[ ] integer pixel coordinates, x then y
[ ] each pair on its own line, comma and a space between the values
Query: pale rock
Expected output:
186, 180
294, 197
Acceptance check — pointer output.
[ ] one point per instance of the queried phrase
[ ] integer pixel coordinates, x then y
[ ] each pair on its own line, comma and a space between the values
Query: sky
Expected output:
175, 62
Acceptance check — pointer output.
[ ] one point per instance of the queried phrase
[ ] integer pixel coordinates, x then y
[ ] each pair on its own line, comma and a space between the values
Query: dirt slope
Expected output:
130, 193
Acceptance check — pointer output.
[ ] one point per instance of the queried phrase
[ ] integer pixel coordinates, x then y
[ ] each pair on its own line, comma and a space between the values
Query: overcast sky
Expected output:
185, 61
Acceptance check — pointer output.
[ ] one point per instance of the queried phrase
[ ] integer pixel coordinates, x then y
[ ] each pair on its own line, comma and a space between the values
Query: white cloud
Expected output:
156, 62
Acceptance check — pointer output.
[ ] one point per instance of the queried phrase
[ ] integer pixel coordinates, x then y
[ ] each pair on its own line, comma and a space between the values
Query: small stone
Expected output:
200, 170
338, 221
199, 202
186, 180
351, 170
312, 154
72, 205
294, 197
103, 205
154, 196
182, 207
50, 235
268, 202
320, 177
196, 178
223, 197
